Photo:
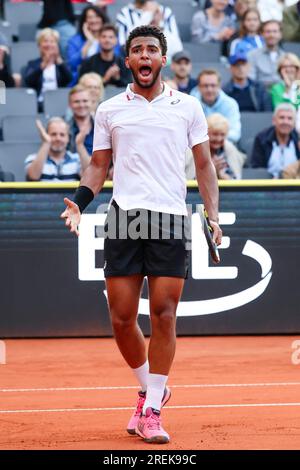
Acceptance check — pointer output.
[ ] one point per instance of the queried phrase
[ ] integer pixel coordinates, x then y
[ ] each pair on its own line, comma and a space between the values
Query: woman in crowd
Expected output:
228, 160
94, 84
49, 71
85, 43
212, 24
287, 90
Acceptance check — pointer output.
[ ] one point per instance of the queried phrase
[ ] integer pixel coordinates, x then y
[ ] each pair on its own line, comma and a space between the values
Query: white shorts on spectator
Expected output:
2, 353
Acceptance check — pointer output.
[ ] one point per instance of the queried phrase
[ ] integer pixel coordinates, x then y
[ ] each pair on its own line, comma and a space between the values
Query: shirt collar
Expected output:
130, 95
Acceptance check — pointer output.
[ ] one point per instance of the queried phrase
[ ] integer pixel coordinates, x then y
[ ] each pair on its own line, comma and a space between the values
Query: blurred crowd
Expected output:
257, 71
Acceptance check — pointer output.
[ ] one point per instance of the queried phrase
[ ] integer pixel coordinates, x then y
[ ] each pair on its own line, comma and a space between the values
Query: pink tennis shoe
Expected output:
131, 427
150, 429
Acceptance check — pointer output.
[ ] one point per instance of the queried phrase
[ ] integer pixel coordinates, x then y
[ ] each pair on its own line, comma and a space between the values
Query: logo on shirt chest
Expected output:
175, 101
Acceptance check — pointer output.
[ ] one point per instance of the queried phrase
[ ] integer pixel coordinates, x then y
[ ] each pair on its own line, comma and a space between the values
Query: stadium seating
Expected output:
21, 53
111, 90
21, 128
56, 102
252, 124
27, 32
6, 29
12, 157
19, 102
293, 47
255, 173
17, 13
201, 52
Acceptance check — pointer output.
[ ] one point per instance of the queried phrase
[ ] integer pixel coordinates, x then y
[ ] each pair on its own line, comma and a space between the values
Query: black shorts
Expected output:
145, 242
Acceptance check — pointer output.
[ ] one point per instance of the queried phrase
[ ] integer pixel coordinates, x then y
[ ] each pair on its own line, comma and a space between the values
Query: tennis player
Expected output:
147, 130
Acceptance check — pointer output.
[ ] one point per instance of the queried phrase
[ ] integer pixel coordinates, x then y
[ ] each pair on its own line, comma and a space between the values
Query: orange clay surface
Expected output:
227, 393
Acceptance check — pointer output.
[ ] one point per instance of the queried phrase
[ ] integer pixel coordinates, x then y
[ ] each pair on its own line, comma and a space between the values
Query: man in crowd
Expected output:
53, 162
277, 147
81, 120
263, 61
249, 94
182, 67
214, 100
111, 67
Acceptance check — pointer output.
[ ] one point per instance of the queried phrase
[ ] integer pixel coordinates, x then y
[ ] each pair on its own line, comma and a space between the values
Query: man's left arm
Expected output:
208, 185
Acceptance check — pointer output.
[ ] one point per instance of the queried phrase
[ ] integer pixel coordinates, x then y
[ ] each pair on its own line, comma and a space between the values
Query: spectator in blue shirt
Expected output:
85, 43
214, 100
249, 36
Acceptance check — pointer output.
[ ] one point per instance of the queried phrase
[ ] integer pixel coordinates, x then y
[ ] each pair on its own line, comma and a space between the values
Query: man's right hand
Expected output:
72, 216
43, 133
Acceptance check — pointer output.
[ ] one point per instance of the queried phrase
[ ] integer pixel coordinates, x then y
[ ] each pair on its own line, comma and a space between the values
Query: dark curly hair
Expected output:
83, 17
147, 31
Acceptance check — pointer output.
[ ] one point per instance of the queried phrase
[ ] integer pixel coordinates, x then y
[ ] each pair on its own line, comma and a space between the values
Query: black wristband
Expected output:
83, 197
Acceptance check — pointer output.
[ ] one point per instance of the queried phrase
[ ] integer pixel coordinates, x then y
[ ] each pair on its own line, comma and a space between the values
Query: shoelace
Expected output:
153, 421
139, 405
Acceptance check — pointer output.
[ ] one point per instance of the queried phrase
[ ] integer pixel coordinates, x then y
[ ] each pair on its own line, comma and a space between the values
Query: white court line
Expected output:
130, 387
179, 407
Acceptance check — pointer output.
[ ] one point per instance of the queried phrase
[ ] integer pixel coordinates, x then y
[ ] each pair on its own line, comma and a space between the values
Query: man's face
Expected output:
240, 70
59, 134
107, 40
182, 69
272, 34
145, 60
80, 103
284, 122
209, 87
216, 138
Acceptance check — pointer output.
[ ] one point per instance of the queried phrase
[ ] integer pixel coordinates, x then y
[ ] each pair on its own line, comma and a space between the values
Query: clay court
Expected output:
227, 393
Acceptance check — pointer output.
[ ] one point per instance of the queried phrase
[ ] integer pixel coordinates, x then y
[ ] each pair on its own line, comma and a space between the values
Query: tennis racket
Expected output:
208, 232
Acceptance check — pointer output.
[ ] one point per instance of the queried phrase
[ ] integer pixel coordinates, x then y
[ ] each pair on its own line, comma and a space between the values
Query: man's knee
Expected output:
122, 321
164, 316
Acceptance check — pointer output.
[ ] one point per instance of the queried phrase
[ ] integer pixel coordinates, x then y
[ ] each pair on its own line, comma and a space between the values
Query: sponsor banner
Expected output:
52, 283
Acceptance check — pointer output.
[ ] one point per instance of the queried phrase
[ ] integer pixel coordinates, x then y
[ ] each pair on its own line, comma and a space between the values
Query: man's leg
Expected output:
123, 298
164, 295
123, 294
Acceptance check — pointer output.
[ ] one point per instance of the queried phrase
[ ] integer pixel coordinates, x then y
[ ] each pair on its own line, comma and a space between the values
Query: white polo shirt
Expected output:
149, 141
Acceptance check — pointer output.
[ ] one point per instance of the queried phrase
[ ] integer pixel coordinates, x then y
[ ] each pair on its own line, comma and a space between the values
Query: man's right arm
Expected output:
95, 174
91, 183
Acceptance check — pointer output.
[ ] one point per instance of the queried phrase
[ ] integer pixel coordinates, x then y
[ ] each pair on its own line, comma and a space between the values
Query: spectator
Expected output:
85, 43
94, 84
54, 162
214, 100
59, 15
249, 94
292, 171
287, 89
263, 62
291, 23
81, 120
182, 67
241, 6
228, 160
111, 67
212, 24
49, 72
145, 12
277, 147
249, 38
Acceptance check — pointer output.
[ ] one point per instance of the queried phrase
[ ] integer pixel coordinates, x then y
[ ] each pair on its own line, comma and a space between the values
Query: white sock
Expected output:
141, 373
155, 390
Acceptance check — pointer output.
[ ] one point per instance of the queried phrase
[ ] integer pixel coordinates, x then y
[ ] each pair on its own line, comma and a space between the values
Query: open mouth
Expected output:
145, 71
